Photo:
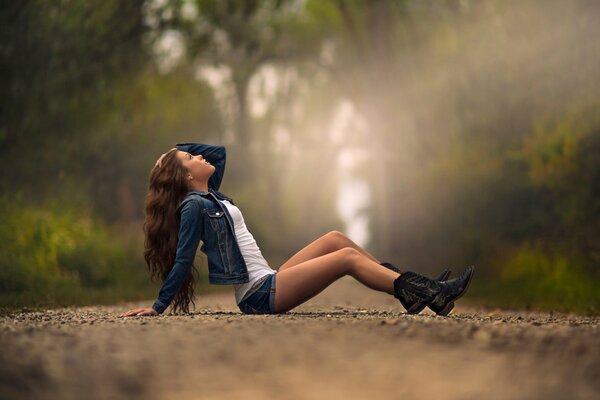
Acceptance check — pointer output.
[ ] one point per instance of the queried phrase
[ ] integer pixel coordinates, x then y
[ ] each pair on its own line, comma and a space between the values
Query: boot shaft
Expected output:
411, 287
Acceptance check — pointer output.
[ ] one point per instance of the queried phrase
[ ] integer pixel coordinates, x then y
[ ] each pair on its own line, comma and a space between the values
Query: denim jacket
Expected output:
203, 217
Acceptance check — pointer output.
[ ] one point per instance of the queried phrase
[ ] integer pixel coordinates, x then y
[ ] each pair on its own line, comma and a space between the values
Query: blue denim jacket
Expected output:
204, 218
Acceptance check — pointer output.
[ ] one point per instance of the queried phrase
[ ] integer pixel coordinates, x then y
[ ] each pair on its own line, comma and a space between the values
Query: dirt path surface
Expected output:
349, 342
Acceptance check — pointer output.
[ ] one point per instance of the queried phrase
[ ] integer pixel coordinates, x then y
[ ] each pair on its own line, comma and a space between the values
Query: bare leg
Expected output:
307, 279
326, 244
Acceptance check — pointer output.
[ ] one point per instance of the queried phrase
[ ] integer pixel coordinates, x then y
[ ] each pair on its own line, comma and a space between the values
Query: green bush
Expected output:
533, 277
51, 256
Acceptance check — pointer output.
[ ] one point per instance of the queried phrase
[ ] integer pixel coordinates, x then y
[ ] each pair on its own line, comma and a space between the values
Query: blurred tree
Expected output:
60, 63
265, 42
238, 37
85, 110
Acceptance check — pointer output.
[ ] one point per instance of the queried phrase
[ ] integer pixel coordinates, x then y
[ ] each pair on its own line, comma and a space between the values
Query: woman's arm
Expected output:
190, 233
215, 155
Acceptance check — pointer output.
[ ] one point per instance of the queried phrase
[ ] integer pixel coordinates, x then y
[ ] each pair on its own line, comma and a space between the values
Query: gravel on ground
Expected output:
349, 342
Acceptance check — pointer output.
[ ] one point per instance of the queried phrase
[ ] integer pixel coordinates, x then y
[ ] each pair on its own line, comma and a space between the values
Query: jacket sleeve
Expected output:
215, 155
190, 233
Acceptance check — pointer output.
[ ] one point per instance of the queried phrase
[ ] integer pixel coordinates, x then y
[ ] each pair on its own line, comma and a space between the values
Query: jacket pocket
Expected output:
218, 223
214, 212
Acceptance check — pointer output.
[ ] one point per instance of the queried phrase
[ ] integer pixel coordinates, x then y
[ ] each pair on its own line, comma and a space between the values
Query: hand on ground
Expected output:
139, 311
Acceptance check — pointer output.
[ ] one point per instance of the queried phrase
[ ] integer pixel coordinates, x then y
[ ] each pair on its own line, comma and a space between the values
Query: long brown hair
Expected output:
168, 188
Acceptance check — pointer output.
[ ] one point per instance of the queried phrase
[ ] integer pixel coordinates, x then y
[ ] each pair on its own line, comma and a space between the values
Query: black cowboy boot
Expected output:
417, 308
413, 290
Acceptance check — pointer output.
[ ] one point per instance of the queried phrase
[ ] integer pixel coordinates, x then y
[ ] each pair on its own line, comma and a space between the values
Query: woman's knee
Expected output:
336, 239
349, 254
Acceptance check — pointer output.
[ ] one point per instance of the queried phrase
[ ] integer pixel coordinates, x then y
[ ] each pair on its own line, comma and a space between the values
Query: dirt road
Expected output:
349, 342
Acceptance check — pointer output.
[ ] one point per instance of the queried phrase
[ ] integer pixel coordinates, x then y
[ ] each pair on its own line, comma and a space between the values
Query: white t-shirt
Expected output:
255, 262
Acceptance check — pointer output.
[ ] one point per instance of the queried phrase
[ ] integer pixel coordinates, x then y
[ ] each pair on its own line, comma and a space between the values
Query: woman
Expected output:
184, 206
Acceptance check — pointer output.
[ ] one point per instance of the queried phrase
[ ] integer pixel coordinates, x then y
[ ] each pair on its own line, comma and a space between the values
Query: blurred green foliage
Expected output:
533, 277
58, 256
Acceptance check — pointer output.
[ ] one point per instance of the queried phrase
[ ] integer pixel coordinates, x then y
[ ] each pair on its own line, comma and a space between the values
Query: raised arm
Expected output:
216, 155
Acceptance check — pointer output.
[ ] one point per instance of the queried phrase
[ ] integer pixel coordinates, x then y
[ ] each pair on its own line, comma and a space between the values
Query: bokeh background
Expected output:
435, 133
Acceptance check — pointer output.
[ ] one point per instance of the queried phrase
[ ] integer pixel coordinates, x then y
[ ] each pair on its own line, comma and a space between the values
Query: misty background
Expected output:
435, 133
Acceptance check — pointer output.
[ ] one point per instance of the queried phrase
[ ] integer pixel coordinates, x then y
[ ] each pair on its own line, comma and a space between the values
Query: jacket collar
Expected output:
210, 192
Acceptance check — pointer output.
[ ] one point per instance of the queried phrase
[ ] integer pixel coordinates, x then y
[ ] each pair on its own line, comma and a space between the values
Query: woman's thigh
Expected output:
307, 279
326, 244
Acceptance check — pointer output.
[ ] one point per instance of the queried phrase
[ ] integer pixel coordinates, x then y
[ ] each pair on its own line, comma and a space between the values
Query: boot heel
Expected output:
446, 309
415, 308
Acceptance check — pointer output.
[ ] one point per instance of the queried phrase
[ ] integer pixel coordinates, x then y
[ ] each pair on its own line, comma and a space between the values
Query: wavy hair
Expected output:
168, 187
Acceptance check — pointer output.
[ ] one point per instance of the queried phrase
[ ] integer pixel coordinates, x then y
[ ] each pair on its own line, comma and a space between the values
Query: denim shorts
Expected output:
262, 301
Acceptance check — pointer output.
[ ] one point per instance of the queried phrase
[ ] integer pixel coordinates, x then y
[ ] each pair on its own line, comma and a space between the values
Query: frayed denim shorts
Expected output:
262, 301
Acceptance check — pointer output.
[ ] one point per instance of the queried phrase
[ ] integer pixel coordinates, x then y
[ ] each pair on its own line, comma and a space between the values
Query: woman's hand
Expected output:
139, 311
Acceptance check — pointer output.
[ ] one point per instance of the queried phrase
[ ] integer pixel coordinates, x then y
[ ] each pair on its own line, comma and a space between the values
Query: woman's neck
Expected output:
199, 186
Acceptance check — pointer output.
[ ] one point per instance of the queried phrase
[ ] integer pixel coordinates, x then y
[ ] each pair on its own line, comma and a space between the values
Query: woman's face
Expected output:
198, 168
